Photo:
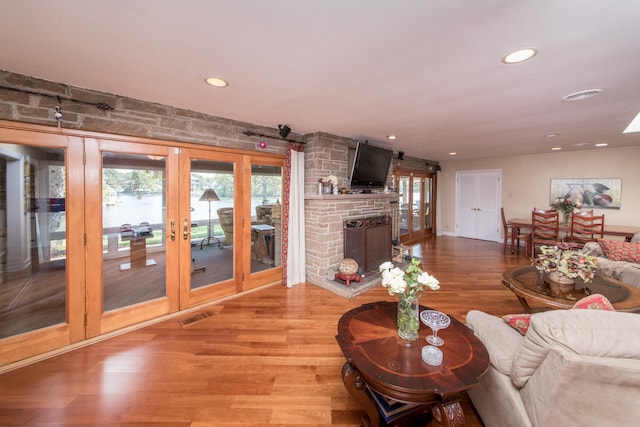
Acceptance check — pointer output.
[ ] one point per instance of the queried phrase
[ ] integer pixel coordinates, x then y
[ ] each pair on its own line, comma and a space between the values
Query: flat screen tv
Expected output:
370, 166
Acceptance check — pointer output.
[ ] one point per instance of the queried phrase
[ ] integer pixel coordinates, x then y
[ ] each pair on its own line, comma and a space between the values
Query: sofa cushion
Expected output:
593, 249
595, 333
635, 237
501, 341
621, 251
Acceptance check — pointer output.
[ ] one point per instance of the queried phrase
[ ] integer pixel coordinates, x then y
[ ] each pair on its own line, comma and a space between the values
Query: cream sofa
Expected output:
571, 368
624, 271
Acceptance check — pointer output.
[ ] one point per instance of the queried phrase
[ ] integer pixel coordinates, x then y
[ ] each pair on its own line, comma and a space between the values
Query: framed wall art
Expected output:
591, 193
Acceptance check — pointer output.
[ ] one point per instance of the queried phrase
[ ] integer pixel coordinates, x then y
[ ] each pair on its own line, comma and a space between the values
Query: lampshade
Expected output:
209, 195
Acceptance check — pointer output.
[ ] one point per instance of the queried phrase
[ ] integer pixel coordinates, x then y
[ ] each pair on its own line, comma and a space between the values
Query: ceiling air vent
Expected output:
583, 94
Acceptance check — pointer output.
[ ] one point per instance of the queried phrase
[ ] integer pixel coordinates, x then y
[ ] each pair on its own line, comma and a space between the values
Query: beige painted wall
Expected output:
526, 181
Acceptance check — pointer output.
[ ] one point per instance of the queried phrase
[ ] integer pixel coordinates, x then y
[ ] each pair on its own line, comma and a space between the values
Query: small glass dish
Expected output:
431, 355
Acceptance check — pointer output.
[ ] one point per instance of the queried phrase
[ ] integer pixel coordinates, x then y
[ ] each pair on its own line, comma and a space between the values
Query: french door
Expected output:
100, 234
416, 204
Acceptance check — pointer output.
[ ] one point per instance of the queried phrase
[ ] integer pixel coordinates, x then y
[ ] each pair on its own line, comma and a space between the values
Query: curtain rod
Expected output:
100, 105
261, 135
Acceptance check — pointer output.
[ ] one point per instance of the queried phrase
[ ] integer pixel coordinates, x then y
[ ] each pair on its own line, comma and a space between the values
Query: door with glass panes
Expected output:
416, 204
98, 234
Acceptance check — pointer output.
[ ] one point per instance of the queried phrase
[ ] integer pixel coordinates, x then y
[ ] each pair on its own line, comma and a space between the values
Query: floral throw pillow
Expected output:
521, 322
594, 301
621, 251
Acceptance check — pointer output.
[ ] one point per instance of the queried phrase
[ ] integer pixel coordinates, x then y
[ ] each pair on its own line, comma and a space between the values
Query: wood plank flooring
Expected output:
264, 358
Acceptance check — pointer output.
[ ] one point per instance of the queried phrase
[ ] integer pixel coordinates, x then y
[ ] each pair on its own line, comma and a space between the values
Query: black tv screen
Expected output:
370, 166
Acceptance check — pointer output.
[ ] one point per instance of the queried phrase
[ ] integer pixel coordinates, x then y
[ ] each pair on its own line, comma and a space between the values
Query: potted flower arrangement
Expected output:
407, 285
566, 205
564, 265
327, 184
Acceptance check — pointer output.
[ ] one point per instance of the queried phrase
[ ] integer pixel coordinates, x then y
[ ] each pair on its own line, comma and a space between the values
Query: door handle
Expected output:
185, 229
173, 231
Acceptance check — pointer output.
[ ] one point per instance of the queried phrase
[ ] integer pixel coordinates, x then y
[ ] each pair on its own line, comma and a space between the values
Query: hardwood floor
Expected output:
267, 357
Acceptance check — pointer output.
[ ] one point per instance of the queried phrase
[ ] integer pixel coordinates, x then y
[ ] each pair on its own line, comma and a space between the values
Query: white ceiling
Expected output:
426, 70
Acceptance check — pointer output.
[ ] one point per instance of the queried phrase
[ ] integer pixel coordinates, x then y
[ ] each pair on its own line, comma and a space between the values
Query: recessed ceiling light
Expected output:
556, 148
215, 81
552, 135
583, 94
391, 136
601, 144
634, 126
453, 153
520, 55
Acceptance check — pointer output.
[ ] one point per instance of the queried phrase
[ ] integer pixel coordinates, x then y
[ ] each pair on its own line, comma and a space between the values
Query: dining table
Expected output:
625, 231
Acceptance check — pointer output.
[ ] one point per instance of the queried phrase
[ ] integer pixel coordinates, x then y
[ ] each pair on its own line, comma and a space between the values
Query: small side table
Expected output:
398, 251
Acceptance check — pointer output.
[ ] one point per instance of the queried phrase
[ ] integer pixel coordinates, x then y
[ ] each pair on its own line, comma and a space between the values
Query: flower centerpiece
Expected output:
566, 205
328, 183
407, 285
560, 262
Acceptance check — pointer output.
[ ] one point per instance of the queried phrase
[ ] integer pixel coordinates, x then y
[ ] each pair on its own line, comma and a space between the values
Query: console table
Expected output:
387, 377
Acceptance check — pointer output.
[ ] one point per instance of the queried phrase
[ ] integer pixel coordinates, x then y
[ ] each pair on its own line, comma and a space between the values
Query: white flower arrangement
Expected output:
410, 283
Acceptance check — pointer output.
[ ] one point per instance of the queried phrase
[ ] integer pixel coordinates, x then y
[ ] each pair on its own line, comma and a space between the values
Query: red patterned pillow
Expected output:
595, 301
520, 322
621, 251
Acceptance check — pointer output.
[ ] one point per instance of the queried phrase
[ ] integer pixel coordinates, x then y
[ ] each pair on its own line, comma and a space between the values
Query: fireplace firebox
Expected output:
368, 241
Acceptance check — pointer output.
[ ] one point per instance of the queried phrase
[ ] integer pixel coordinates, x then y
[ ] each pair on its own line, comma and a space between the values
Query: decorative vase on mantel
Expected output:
408, 317
557, 277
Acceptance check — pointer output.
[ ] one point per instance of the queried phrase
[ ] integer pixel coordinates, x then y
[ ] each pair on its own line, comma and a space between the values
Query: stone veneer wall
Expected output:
130, 116
324, 214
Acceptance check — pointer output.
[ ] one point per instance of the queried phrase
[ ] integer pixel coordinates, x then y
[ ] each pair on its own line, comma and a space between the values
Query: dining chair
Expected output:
513, 235
545, 229
586, 228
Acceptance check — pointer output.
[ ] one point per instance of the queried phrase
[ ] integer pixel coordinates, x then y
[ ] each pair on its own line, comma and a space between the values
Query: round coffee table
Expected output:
530, 285
387, 377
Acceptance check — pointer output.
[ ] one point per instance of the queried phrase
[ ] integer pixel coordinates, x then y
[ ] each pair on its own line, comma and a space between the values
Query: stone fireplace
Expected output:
325, 217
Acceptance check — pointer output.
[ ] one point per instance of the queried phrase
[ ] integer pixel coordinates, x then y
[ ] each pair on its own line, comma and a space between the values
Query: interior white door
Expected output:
478, 204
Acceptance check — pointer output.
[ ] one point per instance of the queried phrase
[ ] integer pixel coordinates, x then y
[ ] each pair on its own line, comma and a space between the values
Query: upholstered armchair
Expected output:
225, 215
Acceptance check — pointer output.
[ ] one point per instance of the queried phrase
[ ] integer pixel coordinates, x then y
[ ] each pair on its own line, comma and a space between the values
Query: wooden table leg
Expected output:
524, 304
355, 386
448, 415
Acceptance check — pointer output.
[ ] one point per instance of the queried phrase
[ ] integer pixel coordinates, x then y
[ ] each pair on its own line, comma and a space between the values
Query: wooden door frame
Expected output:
42, 340
83, 205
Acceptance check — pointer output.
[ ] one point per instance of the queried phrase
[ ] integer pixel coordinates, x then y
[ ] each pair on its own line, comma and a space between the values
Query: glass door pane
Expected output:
428, 216
33, 238
212, 222
266, 220
404, 200
416, 206
133, 224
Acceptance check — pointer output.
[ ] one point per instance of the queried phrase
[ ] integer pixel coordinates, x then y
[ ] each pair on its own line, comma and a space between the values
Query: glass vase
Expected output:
408, 317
